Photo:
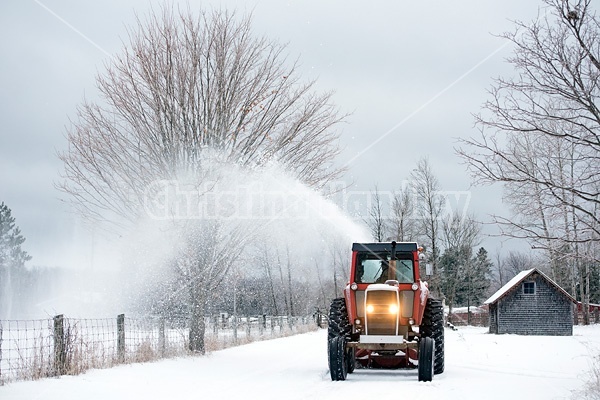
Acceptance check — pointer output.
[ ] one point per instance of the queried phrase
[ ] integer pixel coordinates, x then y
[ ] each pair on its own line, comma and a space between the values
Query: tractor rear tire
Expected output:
433, 327
351, 359
338, 366
426, 359
339, 325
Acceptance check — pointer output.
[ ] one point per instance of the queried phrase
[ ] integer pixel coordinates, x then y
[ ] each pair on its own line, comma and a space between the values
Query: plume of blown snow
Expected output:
267, 204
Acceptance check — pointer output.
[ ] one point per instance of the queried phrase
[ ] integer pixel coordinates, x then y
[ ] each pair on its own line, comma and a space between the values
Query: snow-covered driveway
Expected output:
478, 366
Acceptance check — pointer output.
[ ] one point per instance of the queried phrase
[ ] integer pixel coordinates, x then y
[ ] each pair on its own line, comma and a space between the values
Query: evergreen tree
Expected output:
478, 278
594, 283
11, 254
465, 278
12, 259
594, 288
452, 266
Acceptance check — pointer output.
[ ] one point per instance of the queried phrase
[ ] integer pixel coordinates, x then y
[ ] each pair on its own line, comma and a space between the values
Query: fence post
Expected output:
59, 345
234, 329
121, 337
262, 324
248, 327
161, 336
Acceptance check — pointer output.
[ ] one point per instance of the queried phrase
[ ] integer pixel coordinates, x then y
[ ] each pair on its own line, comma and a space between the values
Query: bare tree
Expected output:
205, 256
497, 284
282, 285
515, 262
265, 261
460, 231
321, 292
191, 94
459, 236
429, 206
376, 221
402, 215
540, 136
337, 252
186, 83
550, 104
290, 287
537, 216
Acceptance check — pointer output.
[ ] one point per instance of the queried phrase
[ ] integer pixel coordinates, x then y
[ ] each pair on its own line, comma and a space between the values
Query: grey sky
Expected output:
385, 60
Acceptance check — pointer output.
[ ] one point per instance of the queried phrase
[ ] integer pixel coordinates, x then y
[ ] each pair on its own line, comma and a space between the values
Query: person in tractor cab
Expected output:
384, 272
372, 271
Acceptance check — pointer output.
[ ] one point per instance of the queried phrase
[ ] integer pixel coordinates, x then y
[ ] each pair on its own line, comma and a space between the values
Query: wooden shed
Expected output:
531, 304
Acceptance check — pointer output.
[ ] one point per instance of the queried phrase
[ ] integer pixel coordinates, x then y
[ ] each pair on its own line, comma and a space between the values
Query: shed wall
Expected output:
493, 313
546, 312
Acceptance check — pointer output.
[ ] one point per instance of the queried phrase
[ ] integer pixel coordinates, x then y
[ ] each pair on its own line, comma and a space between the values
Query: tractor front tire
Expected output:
338, 366
433, 327
339, 325
426, 359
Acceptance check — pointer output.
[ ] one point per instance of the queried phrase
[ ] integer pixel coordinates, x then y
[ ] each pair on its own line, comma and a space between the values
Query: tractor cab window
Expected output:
404, 271
374, 269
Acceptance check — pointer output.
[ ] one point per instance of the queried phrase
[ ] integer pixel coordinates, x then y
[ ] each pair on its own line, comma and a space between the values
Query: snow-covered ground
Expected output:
478, 366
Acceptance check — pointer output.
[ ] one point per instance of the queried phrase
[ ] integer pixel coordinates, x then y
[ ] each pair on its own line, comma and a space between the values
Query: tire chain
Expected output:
433, 327
339, 324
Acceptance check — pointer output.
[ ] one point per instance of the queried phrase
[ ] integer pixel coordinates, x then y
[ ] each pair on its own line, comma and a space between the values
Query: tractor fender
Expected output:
424, 292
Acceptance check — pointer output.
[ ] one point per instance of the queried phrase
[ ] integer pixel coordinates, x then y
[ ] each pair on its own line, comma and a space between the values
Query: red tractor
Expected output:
386, 318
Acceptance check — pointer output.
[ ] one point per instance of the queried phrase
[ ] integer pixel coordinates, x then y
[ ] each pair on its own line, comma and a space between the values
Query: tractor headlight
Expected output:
415, 286
354, 286
393, 309
370, 308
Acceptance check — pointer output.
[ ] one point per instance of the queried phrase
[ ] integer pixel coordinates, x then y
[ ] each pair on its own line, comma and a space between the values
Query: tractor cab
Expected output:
385, 279
379, 268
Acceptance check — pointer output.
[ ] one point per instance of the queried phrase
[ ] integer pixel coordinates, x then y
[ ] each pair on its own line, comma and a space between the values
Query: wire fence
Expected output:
34, 349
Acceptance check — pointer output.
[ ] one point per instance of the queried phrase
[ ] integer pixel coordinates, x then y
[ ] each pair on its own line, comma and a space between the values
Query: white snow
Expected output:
478, 366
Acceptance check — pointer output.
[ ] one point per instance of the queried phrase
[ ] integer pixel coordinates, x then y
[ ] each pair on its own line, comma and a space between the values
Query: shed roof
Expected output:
520, 277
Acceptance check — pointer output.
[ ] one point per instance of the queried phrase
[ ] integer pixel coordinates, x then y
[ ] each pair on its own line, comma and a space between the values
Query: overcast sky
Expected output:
410, 73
